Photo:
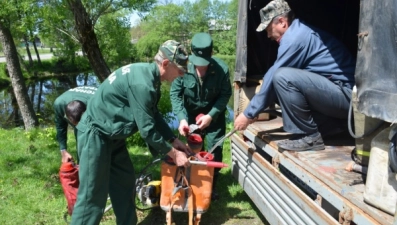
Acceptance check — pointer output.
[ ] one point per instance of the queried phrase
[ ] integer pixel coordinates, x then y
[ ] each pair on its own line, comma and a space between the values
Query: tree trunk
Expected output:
88, 39
17, 80
85, 79
37, 52
74, 80
39, 97
15, 109
28, 51
33, 87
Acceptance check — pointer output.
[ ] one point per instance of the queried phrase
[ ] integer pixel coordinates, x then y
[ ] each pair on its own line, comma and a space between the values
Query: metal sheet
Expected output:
322, 171
257, 176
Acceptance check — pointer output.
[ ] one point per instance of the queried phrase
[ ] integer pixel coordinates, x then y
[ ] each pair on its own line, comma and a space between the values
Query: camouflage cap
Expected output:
271, 10
175, 52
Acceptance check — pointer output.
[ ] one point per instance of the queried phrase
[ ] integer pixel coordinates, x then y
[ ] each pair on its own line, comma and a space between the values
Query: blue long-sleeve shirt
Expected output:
307, 48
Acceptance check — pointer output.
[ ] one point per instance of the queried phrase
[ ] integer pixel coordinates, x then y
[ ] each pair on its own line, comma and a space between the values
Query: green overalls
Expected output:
82, 94
190, 97
123, 104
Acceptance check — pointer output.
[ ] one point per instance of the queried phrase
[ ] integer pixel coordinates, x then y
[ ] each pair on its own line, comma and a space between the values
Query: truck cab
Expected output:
321, 187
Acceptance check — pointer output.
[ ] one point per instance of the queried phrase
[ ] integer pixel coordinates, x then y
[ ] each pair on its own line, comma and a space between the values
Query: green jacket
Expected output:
126, 102
189, 98
61, 123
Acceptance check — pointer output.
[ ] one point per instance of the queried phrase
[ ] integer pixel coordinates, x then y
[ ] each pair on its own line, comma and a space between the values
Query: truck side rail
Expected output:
265, 174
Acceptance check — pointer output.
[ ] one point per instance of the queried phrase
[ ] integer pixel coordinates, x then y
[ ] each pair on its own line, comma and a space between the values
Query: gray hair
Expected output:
159, 58
290, 16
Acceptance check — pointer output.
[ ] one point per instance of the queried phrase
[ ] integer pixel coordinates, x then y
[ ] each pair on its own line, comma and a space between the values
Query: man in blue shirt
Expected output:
311, 78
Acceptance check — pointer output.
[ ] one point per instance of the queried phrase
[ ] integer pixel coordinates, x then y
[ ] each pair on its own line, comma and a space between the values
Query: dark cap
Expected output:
201, 49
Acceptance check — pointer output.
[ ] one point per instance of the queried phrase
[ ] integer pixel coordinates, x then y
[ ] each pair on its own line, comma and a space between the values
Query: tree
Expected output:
15, 72
84, 25
167, 23
56, 28
181, 22
115, 39
224, 34
86, 15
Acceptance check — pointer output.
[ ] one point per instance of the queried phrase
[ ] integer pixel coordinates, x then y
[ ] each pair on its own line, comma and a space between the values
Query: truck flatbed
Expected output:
333, 195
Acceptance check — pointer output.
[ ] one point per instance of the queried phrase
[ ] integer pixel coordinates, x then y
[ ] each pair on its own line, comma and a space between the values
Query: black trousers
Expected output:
308, 100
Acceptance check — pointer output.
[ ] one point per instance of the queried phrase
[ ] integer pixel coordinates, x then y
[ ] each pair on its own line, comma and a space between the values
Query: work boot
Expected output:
310, 142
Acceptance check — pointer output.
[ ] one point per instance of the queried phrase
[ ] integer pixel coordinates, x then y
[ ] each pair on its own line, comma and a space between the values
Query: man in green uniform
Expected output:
125, 103
78, 97
204, 89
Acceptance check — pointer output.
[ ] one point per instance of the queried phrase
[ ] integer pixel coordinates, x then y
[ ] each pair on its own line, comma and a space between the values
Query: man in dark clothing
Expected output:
204, 89
125, 103
78, 97
311, 78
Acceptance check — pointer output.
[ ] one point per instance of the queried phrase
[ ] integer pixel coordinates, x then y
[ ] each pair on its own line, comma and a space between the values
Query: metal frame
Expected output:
278, 196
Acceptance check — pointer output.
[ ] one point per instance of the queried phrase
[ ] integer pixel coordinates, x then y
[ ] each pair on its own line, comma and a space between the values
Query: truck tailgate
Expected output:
316, 181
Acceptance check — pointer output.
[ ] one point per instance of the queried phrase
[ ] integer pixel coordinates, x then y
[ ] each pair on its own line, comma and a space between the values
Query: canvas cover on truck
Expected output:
256, 53
376, 68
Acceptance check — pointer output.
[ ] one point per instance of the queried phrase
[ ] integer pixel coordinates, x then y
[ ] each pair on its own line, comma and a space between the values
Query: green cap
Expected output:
201, 49
271, 10
175, 52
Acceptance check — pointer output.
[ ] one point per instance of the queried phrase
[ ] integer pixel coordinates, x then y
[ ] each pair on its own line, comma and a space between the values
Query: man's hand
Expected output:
242, 122
183, 128
204, 121
179, 145
179, 158
66, 157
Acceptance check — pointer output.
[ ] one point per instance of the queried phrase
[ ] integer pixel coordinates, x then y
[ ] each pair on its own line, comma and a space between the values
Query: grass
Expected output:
30, 191
23, 51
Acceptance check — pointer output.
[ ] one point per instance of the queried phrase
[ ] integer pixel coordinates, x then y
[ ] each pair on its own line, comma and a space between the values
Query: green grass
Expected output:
30, 191
23, 51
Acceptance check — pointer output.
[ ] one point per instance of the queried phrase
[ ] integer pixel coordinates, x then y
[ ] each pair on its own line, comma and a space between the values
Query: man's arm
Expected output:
147, 118
61, 126
176, 96
224, 95
289, 55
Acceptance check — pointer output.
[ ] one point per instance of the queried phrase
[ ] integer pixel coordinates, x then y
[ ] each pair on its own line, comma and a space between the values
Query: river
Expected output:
44, 92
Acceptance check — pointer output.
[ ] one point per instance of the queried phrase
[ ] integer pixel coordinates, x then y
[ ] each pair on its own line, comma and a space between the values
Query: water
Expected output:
44, 92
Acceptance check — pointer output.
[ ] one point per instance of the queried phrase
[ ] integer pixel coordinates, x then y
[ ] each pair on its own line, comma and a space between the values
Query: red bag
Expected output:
69, 176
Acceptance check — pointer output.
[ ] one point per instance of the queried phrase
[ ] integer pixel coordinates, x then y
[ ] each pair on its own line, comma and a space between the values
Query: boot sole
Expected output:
314, 148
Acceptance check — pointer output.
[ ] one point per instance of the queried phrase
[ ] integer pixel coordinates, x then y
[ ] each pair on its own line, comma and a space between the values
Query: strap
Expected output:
190, 205
181, 182
189, 191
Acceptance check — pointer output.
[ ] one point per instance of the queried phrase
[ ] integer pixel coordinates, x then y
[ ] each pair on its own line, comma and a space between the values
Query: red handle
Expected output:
216, 164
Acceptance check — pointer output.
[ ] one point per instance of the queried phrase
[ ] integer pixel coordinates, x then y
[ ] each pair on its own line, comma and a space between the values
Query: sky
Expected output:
134, 18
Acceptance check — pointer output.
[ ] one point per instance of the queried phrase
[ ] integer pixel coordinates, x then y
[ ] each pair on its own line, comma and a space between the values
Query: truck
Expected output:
320, 187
